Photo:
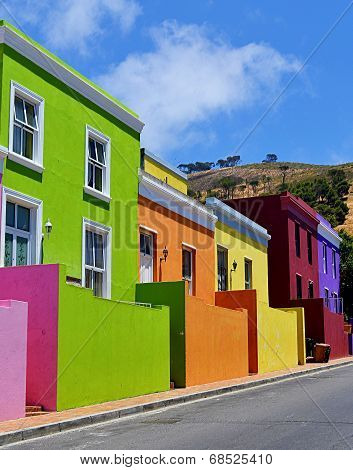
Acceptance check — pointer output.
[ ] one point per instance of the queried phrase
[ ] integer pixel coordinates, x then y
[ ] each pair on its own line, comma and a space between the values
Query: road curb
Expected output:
83, 421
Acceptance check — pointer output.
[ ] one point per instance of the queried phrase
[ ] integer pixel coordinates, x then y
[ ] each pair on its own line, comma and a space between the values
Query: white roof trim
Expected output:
165, 164
169, 193
62, 73
231, 214
330, 234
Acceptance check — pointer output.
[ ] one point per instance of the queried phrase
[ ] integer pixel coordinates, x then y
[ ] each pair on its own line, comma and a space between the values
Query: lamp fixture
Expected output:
48, 227
165, 255
235, 265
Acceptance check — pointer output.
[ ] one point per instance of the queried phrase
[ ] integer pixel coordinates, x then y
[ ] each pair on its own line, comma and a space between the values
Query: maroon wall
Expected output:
278, 214
324, 326
243, 299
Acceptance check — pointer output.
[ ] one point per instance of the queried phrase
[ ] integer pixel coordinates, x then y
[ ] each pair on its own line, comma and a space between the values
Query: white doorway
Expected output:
146, 257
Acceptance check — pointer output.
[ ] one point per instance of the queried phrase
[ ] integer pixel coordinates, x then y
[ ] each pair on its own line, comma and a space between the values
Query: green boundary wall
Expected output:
108, 350
173, 295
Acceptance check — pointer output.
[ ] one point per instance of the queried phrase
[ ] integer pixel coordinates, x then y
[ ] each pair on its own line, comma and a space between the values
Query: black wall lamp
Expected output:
235, 265
165, 255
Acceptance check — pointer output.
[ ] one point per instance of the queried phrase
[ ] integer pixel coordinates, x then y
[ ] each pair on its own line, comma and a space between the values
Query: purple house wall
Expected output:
329, 262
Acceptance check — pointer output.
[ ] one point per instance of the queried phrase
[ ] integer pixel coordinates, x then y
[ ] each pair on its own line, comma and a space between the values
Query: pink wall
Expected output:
13, 348
38, 286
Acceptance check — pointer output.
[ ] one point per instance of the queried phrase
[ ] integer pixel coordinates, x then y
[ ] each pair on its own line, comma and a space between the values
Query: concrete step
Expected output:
30, 408
35, 413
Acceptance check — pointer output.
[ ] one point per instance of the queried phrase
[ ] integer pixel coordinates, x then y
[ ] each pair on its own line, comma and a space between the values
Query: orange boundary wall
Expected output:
216, 342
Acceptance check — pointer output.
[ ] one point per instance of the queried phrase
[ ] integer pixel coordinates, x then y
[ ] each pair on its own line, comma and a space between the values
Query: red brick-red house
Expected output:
293, 263
293, 249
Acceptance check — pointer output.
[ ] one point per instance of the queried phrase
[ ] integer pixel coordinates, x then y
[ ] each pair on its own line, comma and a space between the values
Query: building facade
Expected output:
68, 241
177, 269
329, 265
275, 336
293, 250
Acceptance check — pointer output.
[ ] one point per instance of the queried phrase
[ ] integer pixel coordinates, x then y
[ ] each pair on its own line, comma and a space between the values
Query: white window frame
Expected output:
152, 236
98, 136
324, 257
190, 280
38, 136
107, 236
248, 260
36, 208
334, 264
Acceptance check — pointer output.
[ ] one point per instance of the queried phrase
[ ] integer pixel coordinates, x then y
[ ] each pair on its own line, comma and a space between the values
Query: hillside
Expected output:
269, 177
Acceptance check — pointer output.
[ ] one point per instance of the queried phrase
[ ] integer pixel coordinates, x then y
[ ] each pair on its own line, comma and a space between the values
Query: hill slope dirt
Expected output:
269, 177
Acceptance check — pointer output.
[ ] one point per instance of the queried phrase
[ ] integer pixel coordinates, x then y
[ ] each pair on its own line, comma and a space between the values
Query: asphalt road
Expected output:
313, 412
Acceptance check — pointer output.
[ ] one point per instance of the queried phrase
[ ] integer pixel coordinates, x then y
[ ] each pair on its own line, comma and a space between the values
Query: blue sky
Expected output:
201, 73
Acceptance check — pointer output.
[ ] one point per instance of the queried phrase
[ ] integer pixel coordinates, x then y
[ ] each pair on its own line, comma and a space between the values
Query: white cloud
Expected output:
189, 78
72, 23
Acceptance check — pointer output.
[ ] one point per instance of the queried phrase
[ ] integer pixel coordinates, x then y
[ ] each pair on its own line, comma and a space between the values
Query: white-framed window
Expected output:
334, 264
222, 268
26, 127
247, 273
146, 256
324, 257
97, 164
21, 229
96, 258
188, 255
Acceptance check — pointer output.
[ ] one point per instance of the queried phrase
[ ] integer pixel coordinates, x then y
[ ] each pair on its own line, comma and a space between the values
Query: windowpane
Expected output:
88, 278
92, 149
31, 115
17, 146
248, 274
297, 239
8, 249
90, 175
99, 251
23, 218
324, 257
89, 248
10, 214
310, 249
21, 251
334, 269
187, 264
19, 110
100, 152
27, 144
311, 290
142, 243
222, 256
98, 284
299, 287
98, 180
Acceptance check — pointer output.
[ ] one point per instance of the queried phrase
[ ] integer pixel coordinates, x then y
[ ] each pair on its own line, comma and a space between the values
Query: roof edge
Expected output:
10, 36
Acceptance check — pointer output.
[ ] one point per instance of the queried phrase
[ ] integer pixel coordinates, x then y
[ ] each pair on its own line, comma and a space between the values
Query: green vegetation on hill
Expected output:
326, 195
346, 272
324, 187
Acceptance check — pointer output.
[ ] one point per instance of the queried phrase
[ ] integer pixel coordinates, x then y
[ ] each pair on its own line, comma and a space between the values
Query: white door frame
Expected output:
36, 207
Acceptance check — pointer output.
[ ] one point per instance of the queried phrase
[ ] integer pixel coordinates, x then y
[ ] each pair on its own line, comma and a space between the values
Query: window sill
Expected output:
97, 194
25, 162
3, 152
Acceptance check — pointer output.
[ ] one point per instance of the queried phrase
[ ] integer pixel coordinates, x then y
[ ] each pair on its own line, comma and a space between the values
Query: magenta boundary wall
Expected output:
39, 287
13, 351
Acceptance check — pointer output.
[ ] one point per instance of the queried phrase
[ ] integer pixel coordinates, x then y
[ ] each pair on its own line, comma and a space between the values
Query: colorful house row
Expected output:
116, 281
70, 155
304, 264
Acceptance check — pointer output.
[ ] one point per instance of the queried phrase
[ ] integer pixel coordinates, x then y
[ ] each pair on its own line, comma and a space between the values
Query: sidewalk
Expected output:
36, 426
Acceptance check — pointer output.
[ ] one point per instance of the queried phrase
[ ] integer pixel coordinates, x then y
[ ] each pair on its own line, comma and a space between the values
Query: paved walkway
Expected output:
56, 417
